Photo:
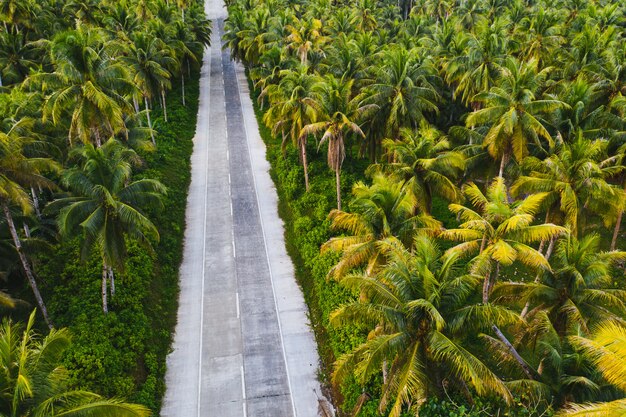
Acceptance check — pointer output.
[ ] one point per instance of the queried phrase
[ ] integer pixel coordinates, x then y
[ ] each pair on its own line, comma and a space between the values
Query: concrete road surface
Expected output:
242, 346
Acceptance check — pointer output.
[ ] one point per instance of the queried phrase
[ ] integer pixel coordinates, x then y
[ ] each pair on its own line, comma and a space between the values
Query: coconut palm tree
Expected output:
33, 381
606, 348
579, 292
476, 69
498, 234
105, 206
18, 173
148, 59
290, 110
424, 161
305, 36
415, 308
402, 90
87, 87
382, 210
337, 114
575, 179
513, 113
499, 231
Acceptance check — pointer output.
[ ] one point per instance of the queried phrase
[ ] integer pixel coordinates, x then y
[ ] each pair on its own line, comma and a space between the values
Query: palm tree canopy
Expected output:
106, 203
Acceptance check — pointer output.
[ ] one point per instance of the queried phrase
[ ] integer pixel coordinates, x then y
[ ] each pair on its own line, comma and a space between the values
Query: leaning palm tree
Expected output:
337, 114
34, 383
305, 36
19, 172
416, 308
105, 206
424, 161
607, 349
498, 234
382, 210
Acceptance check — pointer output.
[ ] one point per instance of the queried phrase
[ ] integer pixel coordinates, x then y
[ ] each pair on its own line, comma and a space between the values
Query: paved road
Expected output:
242, 345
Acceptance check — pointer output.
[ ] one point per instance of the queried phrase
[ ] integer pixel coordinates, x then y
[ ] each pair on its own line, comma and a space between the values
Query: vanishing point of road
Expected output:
242, 345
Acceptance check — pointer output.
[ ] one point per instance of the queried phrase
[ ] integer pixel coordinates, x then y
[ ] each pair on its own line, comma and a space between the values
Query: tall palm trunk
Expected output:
305, 164
338, 181
164, 104
35, 202
618, 225
518, 358
182, 81
25, 265
105, 274
502, 165
527, 370
145, 100
112, 281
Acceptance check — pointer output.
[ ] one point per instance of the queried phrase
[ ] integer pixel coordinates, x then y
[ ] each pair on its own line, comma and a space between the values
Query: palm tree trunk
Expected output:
527, 370
105, 272
486, 288
182, 80
618, 225
35, 202
164, 104
145, 100
25, 265
501, 336
112, 281
305, 164
502, 165
338, 181
97, 137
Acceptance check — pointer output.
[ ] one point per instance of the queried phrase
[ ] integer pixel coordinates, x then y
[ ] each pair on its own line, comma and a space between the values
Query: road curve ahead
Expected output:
242, 345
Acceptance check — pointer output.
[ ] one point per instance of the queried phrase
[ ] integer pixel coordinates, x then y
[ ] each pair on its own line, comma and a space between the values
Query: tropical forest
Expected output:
451, 175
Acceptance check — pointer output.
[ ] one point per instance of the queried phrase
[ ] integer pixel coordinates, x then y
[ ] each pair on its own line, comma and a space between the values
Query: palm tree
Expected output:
149, 59
382, 210
290, 110
337, 113
16, 57
87, 85
475, 70
305, 36
579, 292
575, 179
513, 113
424, 161
105, 205
19, 172
415, 309
254, 36
606, 348
402, 91
34, 383
499, 233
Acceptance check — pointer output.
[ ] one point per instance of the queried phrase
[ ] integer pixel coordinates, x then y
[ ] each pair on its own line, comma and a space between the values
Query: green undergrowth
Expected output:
122, 354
